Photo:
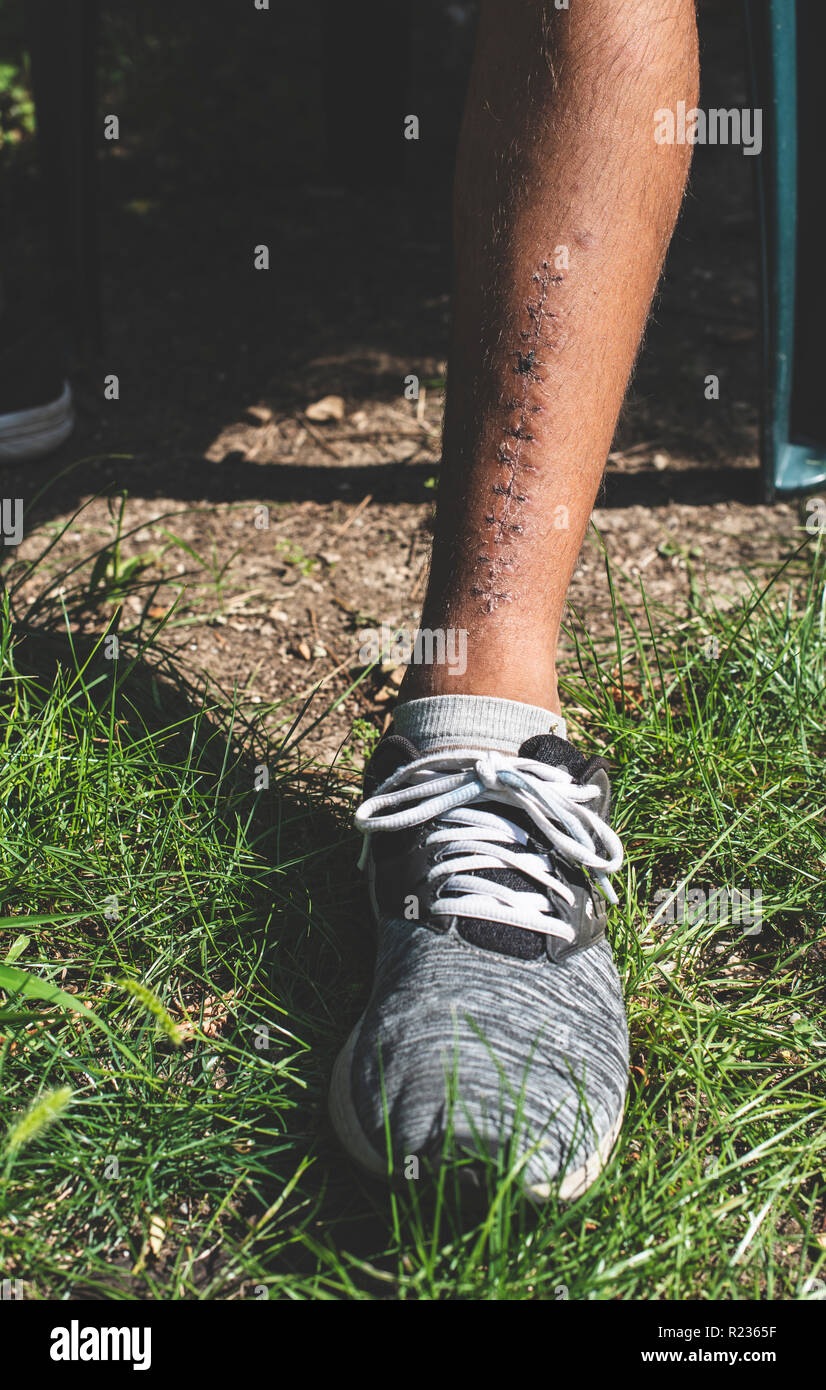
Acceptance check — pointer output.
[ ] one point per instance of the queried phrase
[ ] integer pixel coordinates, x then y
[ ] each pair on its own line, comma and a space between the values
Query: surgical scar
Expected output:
512, 456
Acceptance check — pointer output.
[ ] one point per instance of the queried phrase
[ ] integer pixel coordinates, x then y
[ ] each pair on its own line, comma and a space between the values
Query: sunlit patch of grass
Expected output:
195, 1159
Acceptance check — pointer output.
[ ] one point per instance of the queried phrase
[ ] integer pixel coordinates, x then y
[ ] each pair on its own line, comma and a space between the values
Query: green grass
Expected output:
183, 956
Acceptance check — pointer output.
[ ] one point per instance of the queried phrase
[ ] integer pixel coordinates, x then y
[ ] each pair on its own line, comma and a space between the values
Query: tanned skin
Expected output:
564, 208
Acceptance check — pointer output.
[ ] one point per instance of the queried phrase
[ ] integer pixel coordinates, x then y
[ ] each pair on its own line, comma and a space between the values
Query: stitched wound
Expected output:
508, 492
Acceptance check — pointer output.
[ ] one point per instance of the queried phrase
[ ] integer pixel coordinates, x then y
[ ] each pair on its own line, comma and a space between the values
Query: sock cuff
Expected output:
439, 722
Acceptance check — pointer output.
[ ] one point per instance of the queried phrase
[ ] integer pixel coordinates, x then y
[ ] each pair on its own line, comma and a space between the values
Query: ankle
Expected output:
526, 686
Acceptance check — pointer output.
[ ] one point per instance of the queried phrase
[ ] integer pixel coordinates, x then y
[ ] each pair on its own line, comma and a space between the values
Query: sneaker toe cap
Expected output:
524, 1063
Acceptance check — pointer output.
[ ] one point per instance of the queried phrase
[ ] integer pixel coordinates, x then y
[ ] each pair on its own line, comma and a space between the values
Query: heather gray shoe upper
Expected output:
496, 1008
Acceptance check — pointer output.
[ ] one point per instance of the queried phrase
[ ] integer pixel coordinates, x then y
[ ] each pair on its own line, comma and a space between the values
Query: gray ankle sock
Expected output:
440, 722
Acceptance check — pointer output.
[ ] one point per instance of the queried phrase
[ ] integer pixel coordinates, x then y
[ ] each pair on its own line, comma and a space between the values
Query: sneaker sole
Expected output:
29, 434
347, 1126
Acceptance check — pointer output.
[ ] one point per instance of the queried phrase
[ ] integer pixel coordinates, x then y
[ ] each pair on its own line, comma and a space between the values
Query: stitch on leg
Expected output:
510, 456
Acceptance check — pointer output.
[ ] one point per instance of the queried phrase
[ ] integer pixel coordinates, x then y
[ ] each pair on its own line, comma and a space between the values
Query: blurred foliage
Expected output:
16, 104
183, 90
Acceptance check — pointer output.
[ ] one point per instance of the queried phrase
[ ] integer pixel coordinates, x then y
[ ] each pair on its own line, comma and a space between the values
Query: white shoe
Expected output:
29, 434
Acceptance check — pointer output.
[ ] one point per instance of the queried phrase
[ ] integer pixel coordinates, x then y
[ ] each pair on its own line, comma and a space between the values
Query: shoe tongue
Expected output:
394, 750
556, 751
496, 936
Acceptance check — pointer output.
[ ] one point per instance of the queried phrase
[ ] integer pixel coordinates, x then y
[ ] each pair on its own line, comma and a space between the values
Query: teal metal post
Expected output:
792, 461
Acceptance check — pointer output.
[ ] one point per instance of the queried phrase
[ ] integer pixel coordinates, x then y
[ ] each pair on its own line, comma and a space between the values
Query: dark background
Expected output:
241, 127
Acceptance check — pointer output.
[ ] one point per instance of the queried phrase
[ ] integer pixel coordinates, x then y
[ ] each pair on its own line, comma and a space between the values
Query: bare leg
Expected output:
564, 209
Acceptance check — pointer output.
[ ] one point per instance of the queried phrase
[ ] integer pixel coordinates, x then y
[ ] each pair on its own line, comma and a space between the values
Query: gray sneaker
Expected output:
496, 1023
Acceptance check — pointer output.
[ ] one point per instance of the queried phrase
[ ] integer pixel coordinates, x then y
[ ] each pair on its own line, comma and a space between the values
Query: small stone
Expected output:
328, 408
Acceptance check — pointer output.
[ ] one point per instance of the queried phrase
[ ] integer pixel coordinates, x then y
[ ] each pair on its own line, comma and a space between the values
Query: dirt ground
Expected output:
281, 535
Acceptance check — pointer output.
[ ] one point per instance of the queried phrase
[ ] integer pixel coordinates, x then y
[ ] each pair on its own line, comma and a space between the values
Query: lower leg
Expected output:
564, 209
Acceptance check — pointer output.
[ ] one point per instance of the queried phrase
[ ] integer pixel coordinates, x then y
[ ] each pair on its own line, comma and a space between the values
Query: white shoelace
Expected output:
440, 787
